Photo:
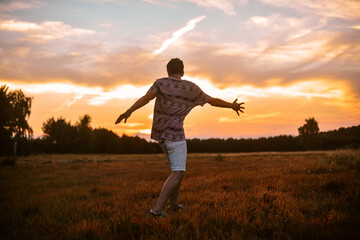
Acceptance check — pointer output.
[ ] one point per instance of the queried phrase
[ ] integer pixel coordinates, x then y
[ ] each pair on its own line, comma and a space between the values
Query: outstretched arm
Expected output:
138, 104
217, 102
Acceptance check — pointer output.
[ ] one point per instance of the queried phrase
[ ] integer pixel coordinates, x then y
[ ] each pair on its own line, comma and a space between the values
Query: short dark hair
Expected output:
175, 66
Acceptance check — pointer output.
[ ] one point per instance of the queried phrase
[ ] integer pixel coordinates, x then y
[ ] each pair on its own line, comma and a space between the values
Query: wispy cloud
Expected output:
260, 21
46, 31
68, 103
18, 26
348, 9
106, 25
176, 35
227, 6
17, 5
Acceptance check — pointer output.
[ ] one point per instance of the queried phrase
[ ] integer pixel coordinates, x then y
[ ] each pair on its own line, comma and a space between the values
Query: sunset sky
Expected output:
287, 60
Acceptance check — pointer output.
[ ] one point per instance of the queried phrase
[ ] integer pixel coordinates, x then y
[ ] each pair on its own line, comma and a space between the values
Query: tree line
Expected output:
61, 136
329, 140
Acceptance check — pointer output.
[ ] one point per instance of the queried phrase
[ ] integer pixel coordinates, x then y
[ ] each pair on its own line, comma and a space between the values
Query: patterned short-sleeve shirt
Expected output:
174, 100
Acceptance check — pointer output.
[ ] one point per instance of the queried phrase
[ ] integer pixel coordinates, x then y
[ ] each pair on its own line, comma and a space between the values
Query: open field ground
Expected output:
311, 195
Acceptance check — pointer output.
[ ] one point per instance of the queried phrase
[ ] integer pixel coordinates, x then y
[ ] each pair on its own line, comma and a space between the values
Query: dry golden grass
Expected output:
313, 195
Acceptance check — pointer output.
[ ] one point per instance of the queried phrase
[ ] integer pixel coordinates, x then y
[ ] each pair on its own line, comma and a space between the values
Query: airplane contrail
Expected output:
176, 35
68, 103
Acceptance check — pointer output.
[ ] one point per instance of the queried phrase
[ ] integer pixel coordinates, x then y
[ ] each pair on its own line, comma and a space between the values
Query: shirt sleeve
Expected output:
201, 98
154, 88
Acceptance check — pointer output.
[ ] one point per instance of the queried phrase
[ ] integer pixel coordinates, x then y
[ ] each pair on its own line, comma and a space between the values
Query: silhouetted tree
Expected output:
14, 112
85, 135
308, 134
60, 135
106, 141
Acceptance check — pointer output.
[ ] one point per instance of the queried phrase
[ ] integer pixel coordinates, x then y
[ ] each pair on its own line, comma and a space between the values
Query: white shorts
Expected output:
175, 152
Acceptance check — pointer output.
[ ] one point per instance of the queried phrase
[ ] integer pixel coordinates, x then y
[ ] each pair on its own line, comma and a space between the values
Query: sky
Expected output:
287, 60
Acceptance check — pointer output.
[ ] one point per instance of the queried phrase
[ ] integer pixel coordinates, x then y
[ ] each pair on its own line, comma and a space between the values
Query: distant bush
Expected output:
9, 161
219, 158
345, 157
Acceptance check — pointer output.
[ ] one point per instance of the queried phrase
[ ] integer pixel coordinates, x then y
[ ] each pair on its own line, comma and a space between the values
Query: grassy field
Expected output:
310, 195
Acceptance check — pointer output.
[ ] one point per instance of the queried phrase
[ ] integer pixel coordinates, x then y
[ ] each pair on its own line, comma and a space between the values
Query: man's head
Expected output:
175, 66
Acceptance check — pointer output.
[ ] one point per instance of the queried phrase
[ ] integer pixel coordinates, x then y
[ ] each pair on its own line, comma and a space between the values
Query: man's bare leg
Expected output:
171, 185
174, 197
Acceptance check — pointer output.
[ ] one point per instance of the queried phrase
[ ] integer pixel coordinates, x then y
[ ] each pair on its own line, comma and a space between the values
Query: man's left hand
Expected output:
237, 107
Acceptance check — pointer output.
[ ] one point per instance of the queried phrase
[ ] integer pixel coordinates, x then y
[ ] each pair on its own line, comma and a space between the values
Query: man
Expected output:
174, 100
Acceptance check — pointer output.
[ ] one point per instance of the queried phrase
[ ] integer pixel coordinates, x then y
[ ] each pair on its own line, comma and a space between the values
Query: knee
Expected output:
179, 175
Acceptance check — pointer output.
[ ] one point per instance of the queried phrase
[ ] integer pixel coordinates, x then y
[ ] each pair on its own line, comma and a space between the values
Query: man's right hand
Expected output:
237, 107
125, 116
